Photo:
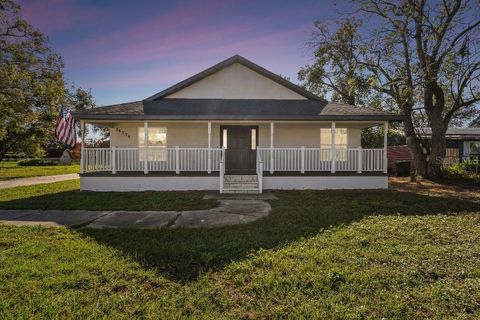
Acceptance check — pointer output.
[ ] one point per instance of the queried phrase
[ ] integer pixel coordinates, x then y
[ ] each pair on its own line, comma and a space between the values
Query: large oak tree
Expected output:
425, 56
32, 86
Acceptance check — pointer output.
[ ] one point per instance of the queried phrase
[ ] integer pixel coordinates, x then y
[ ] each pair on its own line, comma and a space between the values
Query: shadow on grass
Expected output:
83, 200
183, 254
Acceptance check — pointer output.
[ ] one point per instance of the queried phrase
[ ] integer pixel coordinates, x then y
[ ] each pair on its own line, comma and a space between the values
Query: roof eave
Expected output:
391, 118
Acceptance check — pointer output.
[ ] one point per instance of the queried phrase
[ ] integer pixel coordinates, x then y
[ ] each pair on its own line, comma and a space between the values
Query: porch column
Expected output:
334, 153
145, 144
82, 152
272, 128
385, 142
209, 156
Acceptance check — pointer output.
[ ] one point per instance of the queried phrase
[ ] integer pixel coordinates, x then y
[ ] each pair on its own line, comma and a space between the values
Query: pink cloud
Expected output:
266, 47
170, 34
51, 16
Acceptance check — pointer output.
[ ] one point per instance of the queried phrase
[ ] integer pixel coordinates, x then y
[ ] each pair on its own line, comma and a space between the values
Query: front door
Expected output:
240, 144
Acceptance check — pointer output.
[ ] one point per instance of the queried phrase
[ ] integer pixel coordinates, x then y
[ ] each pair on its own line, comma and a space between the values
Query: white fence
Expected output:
316, 159
152, 159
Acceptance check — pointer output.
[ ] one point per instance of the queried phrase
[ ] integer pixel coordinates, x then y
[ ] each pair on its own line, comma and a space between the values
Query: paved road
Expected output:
36, 180
229, 212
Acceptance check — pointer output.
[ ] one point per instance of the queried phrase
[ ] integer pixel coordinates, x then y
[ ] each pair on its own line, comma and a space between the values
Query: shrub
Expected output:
37, 162
466, 170
15, 156
462, 167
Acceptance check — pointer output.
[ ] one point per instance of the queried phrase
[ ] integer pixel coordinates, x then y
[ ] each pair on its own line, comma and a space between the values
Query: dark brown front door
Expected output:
240, 144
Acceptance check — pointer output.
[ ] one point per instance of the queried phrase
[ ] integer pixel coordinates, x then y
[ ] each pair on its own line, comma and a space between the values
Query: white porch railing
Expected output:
158, 159
97, 159
316, 159
209, 160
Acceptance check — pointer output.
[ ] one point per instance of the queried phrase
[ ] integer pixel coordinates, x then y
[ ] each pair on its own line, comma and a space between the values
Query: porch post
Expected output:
334, 153
113, 159
271, 146
209, 165
145, 144
82, 152
385, 142
302, 160
177, 159
359, 160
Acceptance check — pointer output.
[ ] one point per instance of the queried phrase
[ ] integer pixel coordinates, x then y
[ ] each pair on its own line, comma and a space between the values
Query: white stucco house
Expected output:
234, 127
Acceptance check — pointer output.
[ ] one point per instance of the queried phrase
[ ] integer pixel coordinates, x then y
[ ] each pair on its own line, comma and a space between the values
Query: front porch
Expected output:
149, 167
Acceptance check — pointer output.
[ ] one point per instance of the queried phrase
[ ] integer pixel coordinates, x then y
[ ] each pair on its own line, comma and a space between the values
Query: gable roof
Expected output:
313, 108
226, 63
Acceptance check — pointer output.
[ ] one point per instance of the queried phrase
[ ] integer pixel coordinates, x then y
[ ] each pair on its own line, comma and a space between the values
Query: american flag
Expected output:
65, 129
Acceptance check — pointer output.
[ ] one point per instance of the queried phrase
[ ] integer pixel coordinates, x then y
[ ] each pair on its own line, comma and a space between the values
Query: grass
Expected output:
66, 195
331, 254
10, 170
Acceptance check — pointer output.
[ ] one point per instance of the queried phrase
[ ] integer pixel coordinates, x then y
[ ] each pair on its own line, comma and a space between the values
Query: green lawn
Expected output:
66, 195
10, 170
330, 254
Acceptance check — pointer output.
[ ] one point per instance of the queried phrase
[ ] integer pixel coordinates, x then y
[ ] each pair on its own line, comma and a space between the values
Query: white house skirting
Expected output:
168, 183
325, 182
175, 183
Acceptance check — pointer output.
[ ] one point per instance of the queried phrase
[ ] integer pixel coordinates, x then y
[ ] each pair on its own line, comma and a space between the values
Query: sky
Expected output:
128, 50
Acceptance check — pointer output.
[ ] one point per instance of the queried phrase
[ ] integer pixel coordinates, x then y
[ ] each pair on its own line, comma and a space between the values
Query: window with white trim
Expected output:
157, 143
341, 142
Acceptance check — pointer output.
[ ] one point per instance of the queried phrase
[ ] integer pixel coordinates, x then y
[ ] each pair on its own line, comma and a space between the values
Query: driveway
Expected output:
36, 180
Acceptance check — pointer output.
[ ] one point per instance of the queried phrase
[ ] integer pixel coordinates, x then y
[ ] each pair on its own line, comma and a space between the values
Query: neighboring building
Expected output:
462, 144
235, 127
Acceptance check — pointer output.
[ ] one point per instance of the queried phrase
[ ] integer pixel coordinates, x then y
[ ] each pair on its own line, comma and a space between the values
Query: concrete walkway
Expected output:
230, 212
37, 180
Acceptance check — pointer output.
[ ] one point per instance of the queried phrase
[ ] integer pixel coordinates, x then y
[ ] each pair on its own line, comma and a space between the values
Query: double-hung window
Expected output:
341, 143
157, 143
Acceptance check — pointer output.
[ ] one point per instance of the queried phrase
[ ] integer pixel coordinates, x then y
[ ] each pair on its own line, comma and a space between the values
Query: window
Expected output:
157, 137
341, 143
474, 150
253, 137
157, 141
224, 139
340, 138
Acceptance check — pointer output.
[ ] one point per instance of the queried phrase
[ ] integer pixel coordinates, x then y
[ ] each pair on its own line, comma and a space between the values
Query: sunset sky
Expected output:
128, 50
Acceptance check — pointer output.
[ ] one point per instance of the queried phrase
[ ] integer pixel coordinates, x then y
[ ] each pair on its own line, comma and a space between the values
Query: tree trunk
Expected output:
416, 148
439, 147
434, 102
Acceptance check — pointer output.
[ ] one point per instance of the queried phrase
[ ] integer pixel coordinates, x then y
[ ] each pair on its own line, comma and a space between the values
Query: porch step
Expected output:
240, 178
240, 184
230, 191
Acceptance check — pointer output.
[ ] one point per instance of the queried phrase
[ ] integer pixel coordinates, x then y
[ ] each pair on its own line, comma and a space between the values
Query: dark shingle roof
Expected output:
235, 109
455, 133
128, 108
334, 108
